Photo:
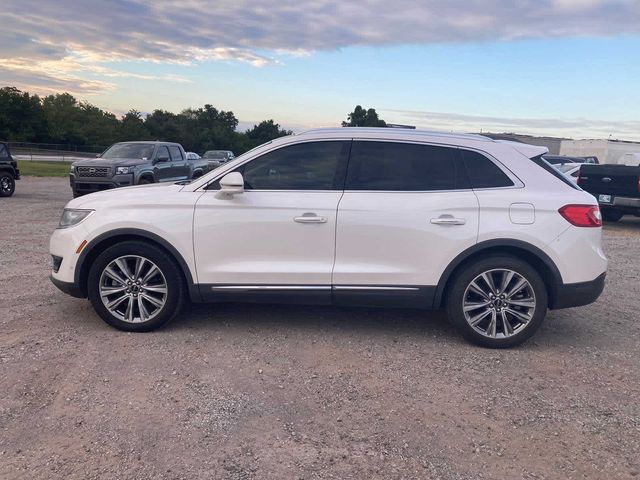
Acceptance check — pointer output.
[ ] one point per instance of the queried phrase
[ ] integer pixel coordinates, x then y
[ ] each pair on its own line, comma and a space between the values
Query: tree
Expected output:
265, 131
363, 118
21, 117
132, 127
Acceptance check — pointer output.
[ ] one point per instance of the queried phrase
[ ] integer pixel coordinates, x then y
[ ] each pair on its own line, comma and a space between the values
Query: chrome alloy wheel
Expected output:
499, 303
133, 289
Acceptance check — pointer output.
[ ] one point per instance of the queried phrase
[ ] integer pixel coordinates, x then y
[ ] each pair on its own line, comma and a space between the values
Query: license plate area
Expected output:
608, 199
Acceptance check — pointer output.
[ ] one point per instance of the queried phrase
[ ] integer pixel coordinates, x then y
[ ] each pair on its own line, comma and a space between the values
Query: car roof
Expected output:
403, 133
460, 139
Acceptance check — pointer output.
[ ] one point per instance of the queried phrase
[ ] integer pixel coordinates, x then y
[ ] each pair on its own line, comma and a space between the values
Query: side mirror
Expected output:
162, 159
231, 184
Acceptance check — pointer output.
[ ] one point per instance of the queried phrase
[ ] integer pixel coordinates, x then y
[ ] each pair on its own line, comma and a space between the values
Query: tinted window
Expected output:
176, 154
402, 167
162, 152
3, 151
306, 166
482, 172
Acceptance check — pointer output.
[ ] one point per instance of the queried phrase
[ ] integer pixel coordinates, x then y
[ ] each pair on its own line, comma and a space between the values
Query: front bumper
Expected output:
569, 295
16, 174
83, 186
70, 288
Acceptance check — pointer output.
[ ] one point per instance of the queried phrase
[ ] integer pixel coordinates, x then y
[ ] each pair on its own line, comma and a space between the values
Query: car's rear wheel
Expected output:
7, 184
611, 215
497, 302
135, 286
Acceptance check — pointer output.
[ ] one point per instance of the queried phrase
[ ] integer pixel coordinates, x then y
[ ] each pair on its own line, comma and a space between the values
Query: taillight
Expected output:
582, 215
578, 178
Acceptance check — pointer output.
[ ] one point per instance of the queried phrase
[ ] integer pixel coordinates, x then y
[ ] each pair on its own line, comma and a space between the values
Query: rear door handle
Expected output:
310, 218
448, 220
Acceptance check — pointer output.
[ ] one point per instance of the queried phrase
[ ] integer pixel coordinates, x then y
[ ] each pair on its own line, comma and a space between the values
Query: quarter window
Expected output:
483, 173
403, 167
305, 166
3, 151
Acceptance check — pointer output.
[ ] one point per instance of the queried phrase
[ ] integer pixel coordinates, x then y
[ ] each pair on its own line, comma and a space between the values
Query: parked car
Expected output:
561, 160
199, 166
617, 188
9, 171
218, 157
130, 163
352, 216
571, 170
192, 156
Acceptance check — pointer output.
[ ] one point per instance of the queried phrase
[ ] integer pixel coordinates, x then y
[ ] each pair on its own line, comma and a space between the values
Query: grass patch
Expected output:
44, 169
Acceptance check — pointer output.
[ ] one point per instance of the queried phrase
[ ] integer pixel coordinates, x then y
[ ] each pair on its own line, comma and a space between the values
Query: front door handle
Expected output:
448, 220
310, 218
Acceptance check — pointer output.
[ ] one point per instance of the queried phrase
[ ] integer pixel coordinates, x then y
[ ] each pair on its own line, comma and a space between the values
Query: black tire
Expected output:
175, 287
611, 215
468, 273
145, 181
7, 184
196, 174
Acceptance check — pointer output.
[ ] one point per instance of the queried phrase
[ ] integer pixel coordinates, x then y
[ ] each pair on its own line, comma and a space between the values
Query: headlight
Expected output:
71, 217
72, 169
123, 170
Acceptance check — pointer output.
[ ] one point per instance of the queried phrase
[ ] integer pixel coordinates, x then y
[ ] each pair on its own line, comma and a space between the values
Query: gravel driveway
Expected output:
254, 391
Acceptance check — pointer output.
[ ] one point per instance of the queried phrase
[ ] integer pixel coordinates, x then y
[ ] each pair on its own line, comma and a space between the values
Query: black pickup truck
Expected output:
616, 187
9, 172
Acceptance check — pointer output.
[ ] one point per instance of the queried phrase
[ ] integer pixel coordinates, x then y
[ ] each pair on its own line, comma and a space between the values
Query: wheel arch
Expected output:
106, 240
147, 174
517, 248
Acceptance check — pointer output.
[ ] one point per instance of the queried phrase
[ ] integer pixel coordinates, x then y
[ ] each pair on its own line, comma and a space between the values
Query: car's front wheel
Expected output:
7, 184
497, 302
135, 286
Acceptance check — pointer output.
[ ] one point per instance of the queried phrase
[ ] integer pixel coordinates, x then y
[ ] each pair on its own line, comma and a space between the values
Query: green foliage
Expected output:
44, 169
363, 118
61, 119
265, 131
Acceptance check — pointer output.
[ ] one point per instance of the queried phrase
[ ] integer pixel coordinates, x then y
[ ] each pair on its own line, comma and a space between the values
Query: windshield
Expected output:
129, 150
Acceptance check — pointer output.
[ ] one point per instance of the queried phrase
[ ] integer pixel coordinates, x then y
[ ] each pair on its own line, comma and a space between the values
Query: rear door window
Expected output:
391, 166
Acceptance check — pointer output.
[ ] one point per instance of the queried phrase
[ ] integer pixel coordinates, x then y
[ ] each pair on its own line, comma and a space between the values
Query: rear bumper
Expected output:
569, 295
69, 288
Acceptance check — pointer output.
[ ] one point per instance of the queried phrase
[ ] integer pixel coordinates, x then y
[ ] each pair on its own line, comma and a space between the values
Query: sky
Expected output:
566, 68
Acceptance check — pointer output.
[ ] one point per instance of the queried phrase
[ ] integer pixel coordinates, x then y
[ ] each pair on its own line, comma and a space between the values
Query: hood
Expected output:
116, 162
125, 195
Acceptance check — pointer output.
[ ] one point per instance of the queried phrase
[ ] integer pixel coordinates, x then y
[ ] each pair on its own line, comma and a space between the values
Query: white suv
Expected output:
350, 216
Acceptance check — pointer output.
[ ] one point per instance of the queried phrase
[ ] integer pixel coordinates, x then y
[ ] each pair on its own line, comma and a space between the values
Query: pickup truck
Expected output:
9, 172
130, 163
616, 187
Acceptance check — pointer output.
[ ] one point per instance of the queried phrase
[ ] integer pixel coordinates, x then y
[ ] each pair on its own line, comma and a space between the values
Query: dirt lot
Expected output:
243, 392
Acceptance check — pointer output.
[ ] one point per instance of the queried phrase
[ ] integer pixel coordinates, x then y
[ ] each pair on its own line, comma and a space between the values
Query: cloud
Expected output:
80, 36
567, 127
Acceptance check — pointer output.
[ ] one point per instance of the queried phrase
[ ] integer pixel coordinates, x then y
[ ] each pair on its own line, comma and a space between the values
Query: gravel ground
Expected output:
250, 391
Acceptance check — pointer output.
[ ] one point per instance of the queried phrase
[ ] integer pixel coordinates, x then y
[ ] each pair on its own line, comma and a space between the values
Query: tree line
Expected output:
62, 119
